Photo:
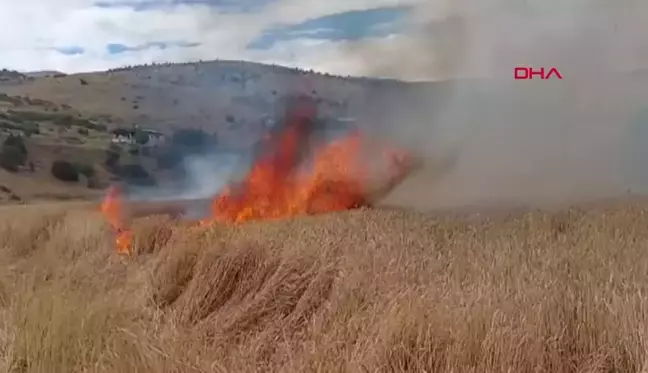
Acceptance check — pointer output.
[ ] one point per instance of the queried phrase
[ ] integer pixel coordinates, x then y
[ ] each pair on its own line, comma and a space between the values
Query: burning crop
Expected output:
290, 179
113, 211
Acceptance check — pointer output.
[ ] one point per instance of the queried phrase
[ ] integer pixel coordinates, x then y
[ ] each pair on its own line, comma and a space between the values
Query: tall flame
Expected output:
112, 209
337, 180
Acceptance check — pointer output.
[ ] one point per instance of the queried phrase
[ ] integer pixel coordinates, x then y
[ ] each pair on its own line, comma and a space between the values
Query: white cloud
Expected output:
483, 36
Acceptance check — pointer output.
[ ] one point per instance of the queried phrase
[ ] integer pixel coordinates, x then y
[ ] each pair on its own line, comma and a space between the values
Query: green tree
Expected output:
65, 171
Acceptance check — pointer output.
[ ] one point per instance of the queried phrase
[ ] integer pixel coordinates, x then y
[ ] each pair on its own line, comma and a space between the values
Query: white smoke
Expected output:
522, 142
204, 177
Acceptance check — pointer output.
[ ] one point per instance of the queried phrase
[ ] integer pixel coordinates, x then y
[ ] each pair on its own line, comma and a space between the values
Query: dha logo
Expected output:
527, 73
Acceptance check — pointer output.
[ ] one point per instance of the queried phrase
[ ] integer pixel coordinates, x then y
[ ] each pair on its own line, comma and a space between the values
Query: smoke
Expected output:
487, 138
490, 139
203, 176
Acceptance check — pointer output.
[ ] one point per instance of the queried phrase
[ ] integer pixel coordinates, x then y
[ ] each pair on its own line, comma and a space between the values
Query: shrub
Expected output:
13, 153
65, 171
11, 158
16, 141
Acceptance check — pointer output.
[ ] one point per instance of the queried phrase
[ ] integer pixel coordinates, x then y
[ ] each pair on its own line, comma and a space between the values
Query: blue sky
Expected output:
351, 25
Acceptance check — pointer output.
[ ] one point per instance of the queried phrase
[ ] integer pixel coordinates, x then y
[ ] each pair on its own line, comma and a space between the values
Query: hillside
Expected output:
234, 103
202, 94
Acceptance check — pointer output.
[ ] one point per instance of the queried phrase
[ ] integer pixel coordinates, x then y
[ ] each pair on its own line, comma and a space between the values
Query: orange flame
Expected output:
112, 209
336, 181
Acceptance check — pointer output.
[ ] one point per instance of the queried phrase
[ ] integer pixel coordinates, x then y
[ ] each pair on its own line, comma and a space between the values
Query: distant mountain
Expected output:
232, 98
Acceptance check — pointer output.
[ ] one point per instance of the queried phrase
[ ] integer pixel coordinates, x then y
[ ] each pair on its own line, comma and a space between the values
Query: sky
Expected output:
407, 39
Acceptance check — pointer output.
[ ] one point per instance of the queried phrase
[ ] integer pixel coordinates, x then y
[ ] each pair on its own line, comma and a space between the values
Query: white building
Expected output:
126, 136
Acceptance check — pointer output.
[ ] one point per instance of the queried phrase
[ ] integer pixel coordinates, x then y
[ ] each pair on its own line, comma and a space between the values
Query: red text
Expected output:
528, 73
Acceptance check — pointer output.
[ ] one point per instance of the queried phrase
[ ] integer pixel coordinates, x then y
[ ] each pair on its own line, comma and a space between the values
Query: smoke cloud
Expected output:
489, 139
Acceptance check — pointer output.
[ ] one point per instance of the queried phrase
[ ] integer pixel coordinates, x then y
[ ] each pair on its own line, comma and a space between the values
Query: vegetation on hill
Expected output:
199, 106
65, 171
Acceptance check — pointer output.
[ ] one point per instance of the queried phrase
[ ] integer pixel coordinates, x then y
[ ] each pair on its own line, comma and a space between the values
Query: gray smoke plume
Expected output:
204, 176
487, 138
490, 139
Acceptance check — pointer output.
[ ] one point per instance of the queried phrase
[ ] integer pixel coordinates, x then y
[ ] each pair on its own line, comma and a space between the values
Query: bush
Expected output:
16, 141
83, 131
13, 153
65, 171
11, 158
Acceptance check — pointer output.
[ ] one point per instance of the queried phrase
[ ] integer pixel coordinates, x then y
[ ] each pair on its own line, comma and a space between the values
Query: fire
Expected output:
288, 180
337, 180
112, 209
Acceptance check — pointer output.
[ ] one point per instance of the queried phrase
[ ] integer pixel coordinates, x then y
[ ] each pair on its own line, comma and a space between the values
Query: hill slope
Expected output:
232, 101
496, 127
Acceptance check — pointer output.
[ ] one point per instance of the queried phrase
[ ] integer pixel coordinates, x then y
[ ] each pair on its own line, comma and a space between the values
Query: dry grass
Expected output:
365, 291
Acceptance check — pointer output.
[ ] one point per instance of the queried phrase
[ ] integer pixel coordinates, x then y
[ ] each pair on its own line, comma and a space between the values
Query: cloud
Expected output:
114, 33
410, 39
229, 6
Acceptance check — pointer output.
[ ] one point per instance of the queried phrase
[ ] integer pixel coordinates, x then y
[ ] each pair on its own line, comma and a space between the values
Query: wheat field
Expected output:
362, 291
